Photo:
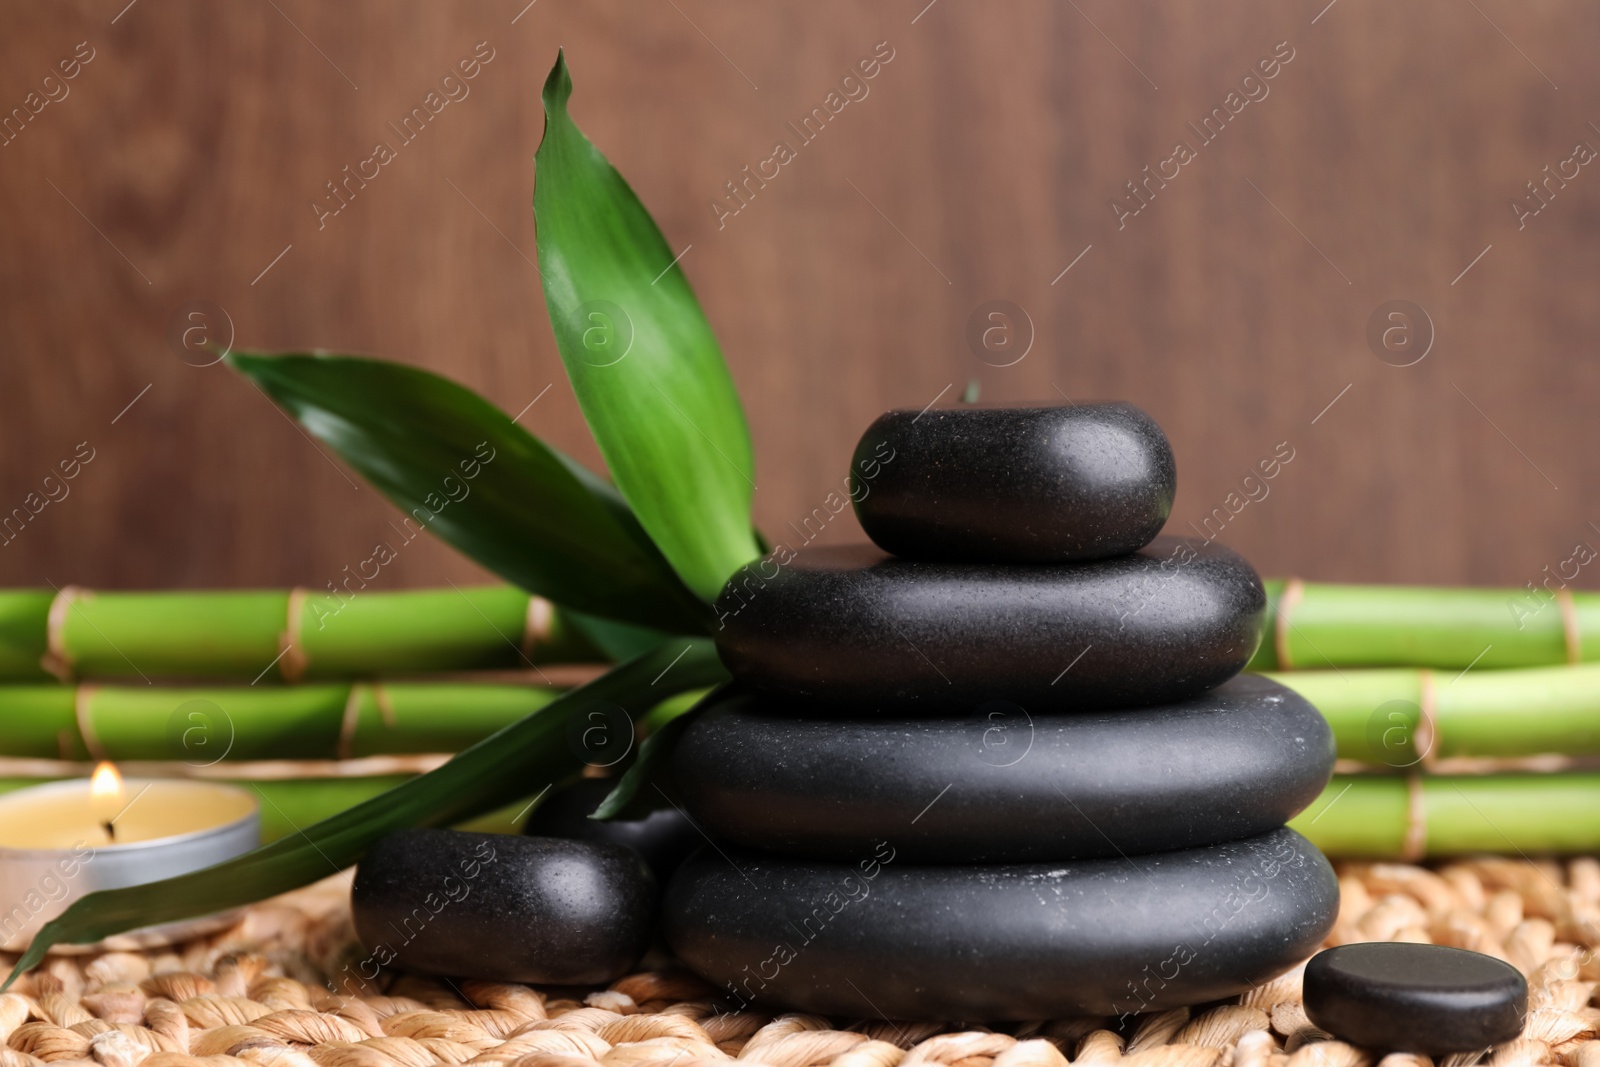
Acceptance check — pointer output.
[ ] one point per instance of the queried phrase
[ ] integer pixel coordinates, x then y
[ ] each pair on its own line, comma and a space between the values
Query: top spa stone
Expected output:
850, 629
1014, 485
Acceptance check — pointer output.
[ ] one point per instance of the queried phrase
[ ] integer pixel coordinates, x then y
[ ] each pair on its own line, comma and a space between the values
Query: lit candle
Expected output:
62, 840
107, 795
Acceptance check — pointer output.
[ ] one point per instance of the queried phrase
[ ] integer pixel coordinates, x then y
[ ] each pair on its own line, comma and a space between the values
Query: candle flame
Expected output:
106, 783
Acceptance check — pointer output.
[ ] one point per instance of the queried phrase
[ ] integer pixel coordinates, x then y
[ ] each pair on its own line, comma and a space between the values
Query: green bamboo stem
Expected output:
1376, 714
1415, 626
1358, 816
291, 803
244, 634
1531, 814
313, 721
24, 623
353, 631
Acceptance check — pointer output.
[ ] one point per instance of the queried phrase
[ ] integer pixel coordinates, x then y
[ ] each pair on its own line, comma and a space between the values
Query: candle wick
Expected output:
111, 830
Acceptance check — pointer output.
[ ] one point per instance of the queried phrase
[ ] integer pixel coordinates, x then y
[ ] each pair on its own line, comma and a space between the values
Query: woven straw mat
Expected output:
255, 996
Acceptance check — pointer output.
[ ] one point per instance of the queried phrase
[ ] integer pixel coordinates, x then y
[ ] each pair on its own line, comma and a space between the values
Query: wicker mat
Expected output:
256, 995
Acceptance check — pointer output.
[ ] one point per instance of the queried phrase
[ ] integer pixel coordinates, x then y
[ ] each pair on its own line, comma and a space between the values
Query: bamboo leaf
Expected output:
461, 469
515, 762
643, 362
619, 640
652, 758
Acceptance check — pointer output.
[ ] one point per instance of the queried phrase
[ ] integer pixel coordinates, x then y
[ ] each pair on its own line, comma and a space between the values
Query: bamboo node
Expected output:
57, 659
1415, 844
385, 705
85, 719
1572, 637
1293, 591
349, 722
1426, 739
536, 626
292, 661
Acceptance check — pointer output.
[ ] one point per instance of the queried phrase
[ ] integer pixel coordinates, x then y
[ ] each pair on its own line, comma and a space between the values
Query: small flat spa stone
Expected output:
1005, 786
1014, 485
504, 908
852, 628
880, 938
664, 837
1389, 995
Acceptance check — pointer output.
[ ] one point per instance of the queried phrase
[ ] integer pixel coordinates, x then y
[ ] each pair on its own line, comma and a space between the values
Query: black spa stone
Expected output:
1415, 998
664, 837
1004, 786
1014, 485
881, 938
502, 907
852, 628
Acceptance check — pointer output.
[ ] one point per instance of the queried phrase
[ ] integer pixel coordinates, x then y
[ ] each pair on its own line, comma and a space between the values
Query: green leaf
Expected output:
515, 762
642, 359
461, 469
617, 639
652, 758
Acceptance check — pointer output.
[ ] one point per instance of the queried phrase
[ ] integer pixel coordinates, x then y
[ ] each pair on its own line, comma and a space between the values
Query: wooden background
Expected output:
1234, 307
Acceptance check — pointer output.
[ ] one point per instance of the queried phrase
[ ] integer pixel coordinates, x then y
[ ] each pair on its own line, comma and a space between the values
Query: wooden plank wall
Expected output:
1380, 162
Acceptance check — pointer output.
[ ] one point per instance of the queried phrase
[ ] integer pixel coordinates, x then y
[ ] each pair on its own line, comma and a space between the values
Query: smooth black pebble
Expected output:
1415, 998
1014, 485
881, 939
852, 628
504, 908
1006, 785
664, 837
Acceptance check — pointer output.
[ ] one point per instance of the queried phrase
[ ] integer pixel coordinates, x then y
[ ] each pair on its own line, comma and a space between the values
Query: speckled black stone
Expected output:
882, 938
1014, 485
1415, 998
850, 627
664, 837
1005, 785
504, 908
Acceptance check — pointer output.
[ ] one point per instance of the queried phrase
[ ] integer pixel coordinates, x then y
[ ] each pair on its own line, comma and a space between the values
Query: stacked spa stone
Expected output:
1000, 766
